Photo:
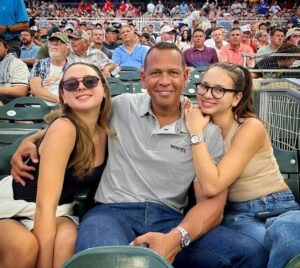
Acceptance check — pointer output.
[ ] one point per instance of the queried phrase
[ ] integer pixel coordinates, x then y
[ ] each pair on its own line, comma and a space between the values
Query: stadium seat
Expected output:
196, 75
129, 74
190, 91
117, 257
21, 116
288, 162
117, 87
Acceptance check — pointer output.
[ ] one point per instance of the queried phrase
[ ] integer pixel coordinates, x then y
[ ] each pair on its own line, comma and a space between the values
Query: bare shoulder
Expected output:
253, 124
62, 128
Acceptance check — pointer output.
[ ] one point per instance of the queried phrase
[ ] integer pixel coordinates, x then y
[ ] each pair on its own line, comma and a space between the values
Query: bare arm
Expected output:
205, 215
54, 151
108, 68
14, 91
16, 28
38, 90
214, 179
26, 149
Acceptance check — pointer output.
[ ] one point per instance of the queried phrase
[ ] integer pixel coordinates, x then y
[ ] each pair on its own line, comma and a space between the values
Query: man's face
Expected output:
199, 39
3, 51
217, 36
127, 34
295, 38
79, 46
167, 36
278, 38
235, 37
111, 37
26, 38
164, 78
246, 36
98, 36
57, 50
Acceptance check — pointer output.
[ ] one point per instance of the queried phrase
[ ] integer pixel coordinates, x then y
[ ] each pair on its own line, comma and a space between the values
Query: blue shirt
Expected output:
135, 58
11, 13
29, 52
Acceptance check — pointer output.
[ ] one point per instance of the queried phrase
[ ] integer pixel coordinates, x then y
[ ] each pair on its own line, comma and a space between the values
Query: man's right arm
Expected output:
26, 149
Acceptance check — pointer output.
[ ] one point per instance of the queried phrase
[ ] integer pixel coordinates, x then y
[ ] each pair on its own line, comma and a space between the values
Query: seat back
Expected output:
129, 74
25, 109
288, 162
117, 256
190, 91
117, 87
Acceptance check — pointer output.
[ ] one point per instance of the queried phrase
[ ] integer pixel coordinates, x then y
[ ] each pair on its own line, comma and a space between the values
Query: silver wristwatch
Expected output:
185, 238
195, 139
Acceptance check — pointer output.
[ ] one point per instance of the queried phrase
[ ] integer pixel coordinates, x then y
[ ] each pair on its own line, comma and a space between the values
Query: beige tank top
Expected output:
260, 177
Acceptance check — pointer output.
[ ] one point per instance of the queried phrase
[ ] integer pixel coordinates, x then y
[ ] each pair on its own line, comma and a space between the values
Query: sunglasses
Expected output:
72, 84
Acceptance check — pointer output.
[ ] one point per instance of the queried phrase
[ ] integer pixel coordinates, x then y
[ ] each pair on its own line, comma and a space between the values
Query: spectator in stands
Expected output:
145, 40
151, 32
186, 39
108, 6
72, 155
278, 62
213, 26
247, 38
13, 20
47, 73
232, 52
198, 17
184, 8
150, 8
255, 184
295, 20
111, 38
122, 7
262, 39
262, 7
81, 52
159, 8
13, 75
167, 33
217, 41
199, 55
276, 40
293, 36
36, 36
130, 53
97, 39
262, 27
236, 7
275, 8
29, 50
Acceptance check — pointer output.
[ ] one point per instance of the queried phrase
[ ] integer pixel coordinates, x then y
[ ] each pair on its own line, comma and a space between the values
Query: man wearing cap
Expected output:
29, 50
97, 38
233, 51
130, 53
46, 73
13, 75
81, 52
167, 34
199, 55
293, 36
111, 38
13, 19
246, 37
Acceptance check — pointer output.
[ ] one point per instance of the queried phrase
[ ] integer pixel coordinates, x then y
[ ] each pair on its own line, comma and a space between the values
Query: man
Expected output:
111, 38
83, 53
13, 19
144, 195
276, 40
232, 52
295, 20
167, 34
217, 41
199, 17
29, 49
130, 53
293, 36
199, 55
262, 7
247, 37
47, 73
13, 75
97, 38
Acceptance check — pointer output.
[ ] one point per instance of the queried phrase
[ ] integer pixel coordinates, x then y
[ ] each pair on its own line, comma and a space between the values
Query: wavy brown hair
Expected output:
84, 156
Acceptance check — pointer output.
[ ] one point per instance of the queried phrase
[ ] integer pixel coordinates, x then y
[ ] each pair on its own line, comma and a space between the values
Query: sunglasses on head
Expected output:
72, 84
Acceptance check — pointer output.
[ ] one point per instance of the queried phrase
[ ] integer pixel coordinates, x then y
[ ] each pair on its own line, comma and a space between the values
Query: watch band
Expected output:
185, 238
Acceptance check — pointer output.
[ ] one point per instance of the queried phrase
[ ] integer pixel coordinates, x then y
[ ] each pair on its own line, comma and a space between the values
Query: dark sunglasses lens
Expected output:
71, 84
90, 81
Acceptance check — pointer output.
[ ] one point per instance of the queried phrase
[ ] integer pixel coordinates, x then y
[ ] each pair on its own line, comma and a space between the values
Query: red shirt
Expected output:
228, 54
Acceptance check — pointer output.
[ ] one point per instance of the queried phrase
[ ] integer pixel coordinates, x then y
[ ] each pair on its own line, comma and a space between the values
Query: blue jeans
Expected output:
276, 234
121, 223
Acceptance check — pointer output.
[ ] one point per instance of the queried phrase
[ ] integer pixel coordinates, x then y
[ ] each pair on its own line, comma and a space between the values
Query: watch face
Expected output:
196, 139
185, 241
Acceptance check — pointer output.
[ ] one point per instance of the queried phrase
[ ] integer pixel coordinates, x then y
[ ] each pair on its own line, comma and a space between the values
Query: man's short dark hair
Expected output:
276, 29
198, 30
3, 41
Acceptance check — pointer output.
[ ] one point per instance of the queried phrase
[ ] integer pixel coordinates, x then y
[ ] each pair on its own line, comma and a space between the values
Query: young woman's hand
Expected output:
195, 121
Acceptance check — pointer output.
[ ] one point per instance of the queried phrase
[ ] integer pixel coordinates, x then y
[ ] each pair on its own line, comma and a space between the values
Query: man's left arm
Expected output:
205, 215
16, 28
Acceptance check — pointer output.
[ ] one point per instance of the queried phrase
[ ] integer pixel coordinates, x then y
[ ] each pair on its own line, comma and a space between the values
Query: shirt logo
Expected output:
178, 148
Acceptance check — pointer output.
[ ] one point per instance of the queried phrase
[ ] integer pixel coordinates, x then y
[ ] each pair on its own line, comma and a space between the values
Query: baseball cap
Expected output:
245, 28
69, 27
60, 36
291, 32
34, 28
107, 22
111, 30
80, 34
167, 29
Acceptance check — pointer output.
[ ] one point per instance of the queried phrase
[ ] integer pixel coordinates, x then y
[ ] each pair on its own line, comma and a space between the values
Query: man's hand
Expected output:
20, 170
167, 245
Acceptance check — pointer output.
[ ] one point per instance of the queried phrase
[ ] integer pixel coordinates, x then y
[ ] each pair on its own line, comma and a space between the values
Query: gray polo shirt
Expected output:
146, 162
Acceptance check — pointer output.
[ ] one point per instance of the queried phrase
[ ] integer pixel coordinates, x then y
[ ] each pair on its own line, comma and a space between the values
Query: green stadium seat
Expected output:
129, 74
117, 87
117, 257
190, 91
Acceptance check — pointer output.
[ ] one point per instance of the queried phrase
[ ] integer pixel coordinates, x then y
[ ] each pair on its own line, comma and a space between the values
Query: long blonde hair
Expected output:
84, 156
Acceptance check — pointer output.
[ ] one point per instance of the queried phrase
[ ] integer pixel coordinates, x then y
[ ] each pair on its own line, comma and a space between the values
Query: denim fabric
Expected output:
120, 223
276, 234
